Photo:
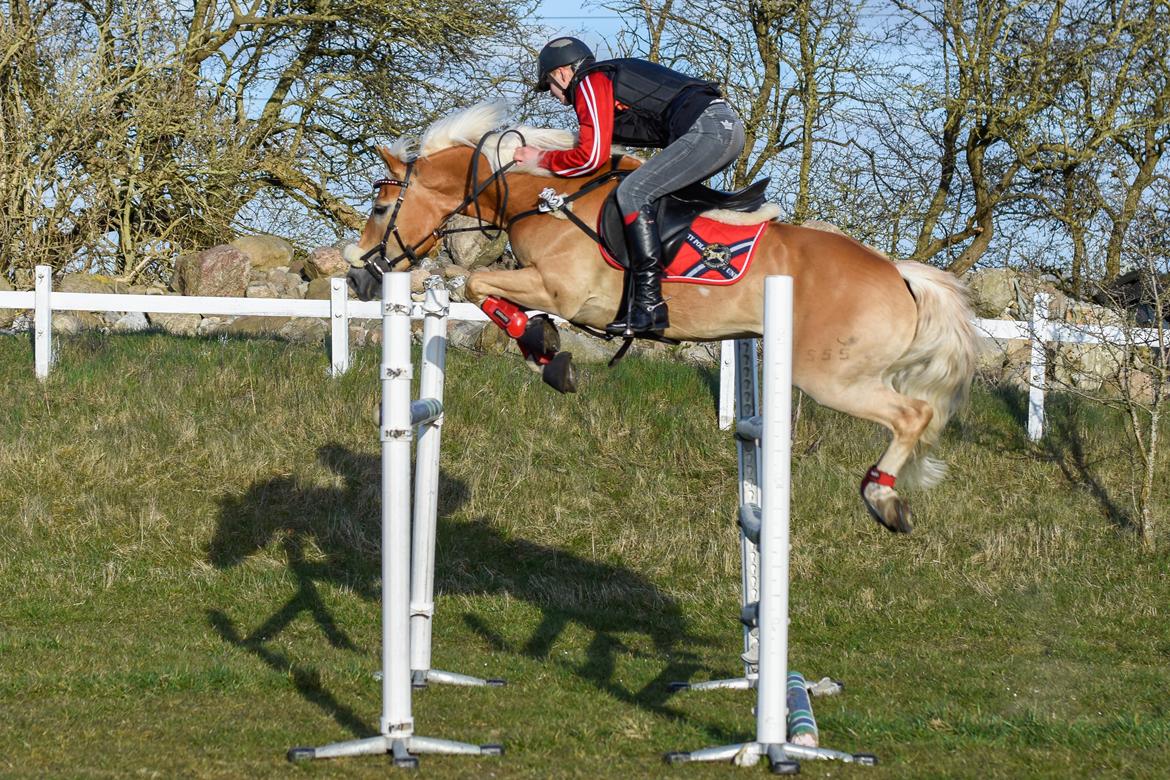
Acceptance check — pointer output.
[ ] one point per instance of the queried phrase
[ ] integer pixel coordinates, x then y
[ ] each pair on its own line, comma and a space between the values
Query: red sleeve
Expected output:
594, 105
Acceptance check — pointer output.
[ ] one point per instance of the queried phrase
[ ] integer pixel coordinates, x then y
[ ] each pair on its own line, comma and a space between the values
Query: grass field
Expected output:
189, 577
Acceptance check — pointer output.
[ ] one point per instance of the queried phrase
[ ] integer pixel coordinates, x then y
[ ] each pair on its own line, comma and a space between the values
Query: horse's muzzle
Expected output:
365, 284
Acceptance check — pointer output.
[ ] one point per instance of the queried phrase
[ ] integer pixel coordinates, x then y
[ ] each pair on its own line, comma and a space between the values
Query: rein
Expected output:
381, 264
377, 254
593, 184
376, 258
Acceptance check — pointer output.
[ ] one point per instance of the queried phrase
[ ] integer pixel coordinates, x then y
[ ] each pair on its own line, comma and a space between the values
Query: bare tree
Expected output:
1143, 123
790, 68
1144, 372
133, 132
1094, 154
1002, 65
1126, 365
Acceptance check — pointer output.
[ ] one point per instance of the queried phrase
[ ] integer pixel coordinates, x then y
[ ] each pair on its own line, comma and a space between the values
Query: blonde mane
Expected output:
467, 127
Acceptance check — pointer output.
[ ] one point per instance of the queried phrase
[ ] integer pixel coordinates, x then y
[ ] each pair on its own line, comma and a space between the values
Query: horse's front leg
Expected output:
524, 287
503, 295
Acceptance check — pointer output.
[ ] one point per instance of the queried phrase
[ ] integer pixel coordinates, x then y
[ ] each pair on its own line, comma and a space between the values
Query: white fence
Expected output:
339, 310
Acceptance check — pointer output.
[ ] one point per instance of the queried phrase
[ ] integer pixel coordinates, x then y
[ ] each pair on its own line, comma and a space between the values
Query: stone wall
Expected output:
1007, 294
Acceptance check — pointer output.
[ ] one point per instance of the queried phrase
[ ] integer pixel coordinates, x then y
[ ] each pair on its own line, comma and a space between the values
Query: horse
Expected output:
887, 341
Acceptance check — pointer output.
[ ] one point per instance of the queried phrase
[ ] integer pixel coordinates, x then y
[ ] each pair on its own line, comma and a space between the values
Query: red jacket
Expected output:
594, 105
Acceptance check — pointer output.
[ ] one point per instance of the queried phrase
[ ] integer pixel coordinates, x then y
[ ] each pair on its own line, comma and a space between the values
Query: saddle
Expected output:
675, 213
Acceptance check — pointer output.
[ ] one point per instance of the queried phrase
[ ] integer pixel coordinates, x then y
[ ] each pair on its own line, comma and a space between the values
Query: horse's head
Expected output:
409, 208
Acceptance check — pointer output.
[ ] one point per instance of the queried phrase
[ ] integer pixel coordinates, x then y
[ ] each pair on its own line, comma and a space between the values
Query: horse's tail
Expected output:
940, 362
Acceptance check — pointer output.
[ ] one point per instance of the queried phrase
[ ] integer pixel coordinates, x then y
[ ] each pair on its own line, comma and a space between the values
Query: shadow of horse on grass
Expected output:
1063, 444
331, 536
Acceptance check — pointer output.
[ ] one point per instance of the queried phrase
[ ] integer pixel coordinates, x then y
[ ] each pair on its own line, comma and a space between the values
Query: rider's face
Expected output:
558, 82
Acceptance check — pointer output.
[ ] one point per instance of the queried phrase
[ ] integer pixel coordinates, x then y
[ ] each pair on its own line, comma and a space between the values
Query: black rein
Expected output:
378, 254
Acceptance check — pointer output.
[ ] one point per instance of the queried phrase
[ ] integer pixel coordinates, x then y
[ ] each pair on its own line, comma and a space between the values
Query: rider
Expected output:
638, 103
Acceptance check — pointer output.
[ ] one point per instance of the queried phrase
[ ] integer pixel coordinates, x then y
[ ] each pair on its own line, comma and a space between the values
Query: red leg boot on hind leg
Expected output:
885, 506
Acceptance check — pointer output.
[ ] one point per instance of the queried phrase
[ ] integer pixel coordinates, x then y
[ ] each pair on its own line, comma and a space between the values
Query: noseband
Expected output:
382, 264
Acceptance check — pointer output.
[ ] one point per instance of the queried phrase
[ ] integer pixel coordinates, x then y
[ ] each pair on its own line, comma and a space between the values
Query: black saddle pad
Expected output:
675, 213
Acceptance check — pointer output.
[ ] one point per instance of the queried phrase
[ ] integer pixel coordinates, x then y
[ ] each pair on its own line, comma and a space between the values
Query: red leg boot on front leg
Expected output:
510, 317
538, 339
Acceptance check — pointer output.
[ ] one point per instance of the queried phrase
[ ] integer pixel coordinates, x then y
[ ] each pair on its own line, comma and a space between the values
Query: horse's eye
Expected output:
380, 210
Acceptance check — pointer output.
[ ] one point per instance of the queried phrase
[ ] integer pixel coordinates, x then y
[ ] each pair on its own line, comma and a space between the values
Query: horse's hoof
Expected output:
888, 508
560, 374
541, 337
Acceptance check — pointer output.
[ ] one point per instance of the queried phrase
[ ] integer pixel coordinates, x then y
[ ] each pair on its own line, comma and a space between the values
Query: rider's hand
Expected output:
526, 155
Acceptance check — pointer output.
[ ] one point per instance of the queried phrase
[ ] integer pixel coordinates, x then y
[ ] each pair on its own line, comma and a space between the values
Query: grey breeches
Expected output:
713, 142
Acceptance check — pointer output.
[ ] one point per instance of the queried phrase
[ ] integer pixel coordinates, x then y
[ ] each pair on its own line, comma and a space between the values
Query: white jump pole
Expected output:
399, 415
426, 501
775, 436
742, 355
776, 489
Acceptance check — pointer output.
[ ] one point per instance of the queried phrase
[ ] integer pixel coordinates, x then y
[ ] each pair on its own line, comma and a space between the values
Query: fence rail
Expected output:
339, 310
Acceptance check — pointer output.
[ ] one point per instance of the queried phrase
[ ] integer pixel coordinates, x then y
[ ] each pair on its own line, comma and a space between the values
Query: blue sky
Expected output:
592, 25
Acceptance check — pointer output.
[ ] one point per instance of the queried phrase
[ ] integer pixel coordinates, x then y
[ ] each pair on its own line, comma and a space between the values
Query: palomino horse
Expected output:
886, 341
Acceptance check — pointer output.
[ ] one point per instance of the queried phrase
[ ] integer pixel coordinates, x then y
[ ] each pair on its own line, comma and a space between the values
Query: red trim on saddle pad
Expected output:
713, 252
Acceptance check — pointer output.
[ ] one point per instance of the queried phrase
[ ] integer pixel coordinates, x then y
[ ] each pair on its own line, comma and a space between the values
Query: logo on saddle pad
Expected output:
715, 256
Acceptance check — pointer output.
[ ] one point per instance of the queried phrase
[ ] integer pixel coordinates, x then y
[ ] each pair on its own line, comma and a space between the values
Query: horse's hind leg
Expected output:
906, 418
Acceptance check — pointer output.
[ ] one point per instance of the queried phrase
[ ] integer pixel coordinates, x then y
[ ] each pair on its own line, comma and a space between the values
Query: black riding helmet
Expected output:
558, 52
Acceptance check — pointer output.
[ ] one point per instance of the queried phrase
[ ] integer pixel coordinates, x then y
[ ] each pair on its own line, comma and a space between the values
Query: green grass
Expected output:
189, 576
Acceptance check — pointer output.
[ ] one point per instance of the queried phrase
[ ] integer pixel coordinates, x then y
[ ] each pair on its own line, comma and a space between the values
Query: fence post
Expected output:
726, 384
338, 326
43, 322
1036, 377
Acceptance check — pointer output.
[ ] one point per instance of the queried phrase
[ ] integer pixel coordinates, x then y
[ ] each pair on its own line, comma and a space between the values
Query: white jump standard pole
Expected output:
748, 426
747, 433
436, 307
772, 611
399, 416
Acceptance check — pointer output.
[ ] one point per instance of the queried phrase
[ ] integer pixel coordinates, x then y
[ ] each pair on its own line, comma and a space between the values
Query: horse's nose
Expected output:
352, 254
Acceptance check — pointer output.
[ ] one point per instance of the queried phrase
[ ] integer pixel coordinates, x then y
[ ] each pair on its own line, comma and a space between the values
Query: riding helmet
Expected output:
558, 52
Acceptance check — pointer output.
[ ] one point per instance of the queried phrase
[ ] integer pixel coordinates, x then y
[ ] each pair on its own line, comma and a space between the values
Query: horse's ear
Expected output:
386, 156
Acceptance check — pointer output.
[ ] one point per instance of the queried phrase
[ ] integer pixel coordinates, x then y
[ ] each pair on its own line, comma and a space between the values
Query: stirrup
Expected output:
652, 327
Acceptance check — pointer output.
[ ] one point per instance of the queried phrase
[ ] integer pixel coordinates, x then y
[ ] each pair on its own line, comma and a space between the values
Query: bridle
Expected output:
392, 227
381, 264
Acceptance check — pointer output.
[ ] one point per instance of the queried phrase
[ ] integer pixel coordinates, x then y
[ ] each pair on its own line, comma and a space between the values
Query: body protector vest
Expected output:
653, 105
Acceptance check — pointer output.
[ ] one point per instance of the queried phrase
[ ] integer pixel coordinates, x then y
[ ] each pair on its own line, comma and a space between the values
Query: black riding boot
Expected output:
646, 312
